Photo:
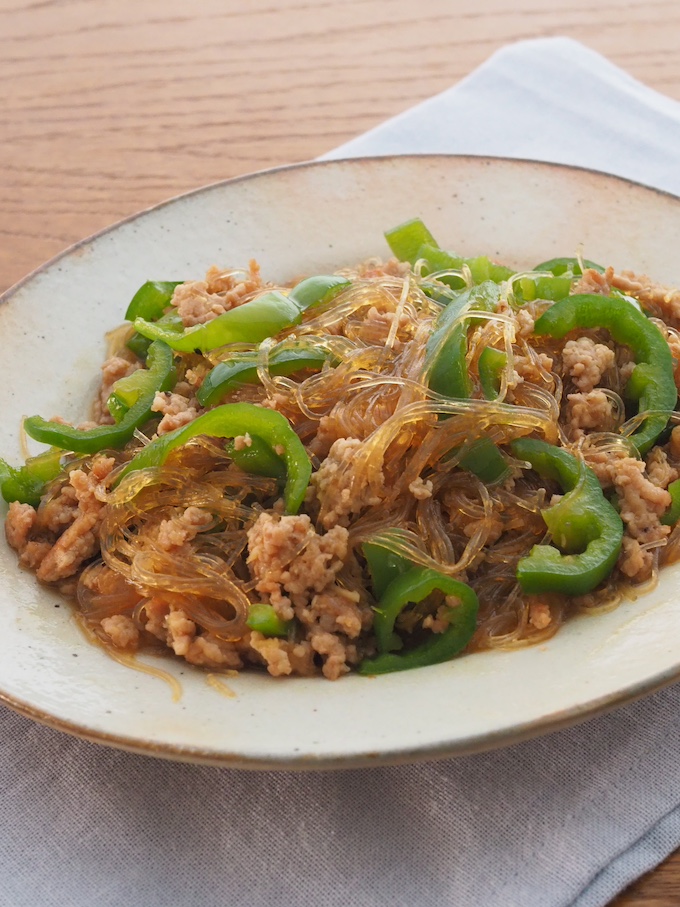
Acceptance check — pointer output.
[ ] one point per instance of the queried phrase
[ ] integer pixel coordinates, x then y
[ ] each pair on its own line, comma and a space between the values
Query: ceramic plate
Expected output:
321, 216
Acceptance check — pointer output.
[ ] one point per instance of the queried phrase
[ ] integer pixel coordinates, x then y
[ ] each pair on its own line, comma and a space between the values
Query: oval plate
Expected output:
295, 220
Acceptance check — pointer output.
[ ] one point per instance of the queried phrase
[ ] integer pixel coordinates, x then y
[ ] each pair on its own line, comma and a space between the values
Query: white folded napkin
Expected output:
550, 99
568, 819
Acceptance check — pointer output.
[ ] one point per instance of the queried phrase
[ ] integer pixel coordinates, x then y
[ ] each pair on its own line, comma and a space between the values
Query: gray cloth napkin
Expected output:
568, 819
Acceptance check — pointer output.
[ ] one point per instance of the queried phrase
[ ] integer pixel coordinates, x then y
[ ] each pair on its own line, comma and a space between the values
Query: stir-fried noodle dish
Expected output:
372, 470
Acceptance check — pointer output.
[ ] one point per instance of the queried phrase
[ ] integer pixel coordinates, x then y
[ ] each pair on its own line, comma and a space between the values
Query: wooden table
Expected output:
108, 106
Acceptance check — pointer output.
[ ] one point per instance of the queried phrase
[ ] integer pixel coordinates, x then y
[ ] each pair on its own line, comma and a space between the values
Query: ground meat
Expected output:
673, 340
375, 267
634, 561
587, 361
172, 626
34, 554
655, 298
177, 411
675, 443
539, 615
532, 368
601, 462
439, 622
90, 487
77, 544
491, 525
328, 431
274, 652
286, 554
121, 630
421, 489
375, 327
195, 304
659, 470
591, 411
179, 530
212, 652
642, 504
77, 507
113, 370
276, 401
194, 378
338, 489
525, 322
337, 610
18, 524
242, 441
57, 512
283, 657
200, 301
592, 281
337, 655
181, 631
80, 540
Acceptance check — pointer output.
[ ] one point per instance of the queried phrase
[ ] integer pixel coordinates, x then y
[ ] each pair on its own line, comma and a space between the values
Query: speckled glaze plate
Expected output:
296, 219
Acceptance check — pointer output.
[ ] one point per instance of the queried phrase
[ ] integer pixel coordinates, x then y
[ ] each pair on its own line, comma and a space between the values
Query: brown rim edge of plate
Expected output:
302, 762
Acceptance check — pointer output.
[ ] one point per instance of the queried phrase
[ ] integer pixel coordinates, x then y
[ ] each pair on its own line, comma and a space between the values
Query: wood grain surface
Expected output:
109, 106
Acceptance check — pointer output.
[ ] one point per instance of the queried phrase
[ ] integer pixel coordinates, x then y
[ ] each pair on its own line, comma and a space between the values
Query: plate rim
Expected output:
313, 164
476, 744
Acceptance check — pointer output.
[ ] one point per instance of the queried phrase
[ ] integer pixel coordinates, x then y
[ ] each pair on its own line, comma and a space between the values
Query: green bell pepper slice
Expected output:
572, 266
127, 391
538, 286
252, 322
159, 375
27, 484
140, 345
264, 619
257, 458
483, 459
490, 366
383, 565
412, 587
406, 240
242, 369
412, 242
445, 364
446, 371
230, 421
151, 300
583, 524
652, 382
481, 268
564, 271
317, 290
672, 515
